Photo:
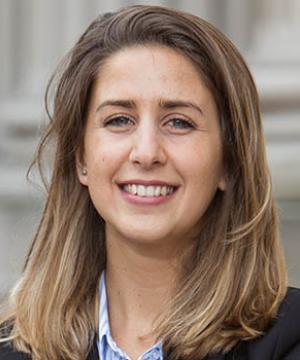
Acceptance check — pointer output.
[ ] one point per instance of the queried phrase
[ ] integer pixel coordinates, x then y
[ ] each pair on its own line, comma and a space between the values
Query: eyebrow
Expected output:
164, 104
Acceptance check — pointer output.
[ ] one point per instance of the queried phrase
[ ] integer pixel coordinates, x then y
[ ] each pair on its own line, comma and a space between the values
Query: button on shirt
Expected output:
108, 349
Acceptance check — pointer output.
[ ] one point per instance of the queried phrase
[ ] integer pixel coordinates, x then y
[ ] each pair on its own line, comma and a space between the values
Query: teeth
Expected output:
157, 191
164, 191
141, 190
133, 189
148, 191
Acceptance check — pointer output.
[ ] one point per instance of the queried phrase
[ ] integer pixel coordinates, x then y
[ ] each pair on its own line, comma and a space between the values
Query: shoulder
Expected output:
8, 353
282, 339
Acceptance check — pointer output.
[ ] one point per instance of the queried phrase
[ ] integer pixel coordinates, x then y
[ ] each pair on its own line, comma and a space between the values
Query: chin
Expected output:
142, 235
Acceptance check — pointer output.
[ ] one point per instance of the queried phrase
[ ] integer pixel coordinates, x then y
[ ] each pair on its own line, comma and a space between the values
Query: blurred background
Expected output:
35, 34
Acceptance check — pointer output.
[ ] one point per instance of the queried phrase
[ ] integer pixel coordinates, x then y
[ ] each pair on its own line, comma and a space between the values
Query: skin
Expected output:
144, 140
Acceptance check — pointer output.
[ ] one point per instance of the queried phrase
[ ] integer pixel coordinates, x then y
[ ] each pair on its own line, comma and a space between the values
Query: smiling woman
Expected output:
159, 236
148, 123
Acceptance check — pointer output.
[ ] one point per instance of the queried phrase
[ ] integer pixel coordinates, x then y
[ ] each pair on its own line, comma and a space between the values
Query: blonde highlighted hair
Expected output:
235, 279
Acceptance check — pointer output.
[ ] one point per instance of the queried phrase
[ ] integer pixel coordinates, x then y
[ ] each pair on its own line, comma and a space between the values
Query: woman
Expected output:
159, 236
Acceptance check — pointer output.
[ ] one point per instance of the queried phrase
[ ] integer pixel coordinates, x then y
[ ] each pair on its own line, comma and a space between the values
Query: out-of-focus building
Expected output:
35, 34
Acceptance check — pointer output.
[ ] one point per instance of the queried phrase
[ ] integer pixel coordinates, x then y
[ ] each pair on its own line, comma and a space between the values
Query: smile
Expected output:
148, 191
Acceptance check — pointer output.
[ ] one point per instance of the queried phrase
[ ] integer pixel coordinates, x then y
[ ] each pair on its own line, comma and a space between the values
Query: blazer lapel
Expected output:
93, 354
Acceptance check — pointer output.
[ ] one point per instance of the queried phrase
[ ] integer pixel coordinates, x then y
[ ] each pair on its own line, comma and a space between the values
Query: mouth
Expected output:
148, 190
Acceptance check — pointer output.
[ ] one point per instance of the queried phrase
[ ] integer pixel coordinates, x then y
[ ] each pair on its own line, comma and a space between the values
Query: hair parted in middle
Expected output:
235, 279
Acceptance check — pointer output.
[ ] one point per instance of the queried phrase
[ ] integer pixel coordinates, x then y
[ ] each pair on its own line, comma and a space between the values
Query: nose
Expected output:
147, 146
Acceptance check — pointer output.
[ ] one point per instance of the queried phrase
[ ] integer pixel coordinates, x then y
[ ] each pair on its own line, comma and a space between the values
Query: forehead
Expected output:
150, 71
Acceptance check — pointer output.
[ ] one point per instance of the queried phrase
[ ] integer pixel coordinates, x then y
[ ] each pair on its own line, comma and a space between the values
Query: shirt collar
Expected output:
105, 337
103, 313
104, 328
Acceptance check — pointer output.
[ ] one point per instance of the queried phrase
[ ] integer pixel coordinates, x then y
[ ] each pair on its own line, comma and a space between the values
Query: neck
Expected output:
140, 279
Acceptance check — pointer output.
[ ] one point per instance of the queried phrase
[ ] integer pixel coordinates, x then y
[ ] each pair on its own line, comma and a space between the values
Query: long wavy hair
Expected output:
235, 279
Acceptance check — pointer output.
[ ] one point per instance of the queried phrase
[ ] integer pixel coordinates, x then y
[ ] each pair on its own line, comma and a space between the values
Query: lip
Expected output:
138, 200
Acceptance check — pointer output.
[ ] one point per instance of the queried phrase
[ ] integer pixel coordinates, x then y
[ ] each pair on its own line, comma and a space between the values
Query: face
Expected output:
152, 150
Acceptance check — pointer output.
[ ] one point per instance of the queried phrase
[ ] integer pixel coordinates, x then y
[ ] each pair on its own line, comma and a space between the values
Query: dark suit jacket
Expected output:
280, 342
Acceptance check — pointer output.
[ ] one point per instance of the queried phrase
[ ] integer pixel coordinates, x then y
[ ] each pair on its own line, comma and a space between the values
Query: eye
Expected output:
119, 121
180, 124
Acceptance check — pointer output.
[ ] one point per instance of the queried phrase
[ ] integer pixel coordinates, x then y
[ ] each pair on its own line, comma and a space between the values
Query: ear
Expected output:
222, 183
81, 168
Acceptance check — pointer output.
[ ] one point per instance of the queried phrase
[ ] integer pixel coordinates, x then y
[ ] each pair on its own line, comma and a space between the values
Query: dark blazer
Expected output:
280, 342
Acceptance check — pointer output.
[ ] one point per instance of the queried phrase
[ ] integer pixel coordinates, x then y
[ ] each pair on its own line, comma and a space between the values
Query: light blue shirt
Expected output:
108, 349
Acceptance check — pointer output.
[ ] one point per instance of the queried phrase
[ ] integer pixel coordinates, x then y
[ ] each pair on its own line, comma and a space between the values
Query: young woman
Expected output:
159, 236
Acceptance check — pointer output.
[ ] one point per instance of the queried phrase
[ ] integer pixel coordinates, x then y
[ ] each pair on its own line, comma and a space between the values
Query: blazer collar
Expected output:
93, 354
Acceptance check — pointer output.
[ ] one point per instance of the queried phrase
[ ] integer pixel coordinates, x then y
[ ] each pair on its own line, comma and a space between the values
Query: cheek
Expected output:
202, 178
95, 150
104, 158
202, 163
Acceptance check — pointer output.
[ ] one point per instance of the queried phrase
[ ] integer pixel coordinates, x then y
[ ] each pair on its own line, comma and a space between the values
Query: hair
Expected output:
235, 280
